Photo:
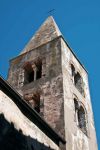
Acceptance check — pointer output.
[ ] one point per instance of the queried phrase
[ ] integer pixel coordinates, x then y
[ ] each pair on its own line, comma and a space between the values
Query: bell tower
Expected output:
52, 81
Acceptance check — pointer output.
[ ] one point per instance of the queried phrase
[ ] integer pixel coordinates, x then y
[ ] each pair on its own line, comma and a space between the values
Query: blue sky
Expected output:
78, 20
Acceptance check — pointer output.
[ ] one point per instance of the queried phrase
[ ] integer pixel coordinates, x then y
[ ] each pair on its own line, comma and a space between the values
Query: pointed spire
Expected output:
47, 32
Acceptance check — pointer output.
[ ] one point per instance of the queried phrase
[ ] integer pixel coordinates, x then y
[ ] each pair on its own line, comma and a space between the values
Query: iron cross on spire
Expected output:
51, 12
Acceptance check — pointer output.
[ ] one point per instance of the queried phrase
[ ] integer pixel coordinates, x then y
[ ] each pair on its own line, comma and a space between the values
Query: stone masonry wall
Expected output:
76, 139
49, 86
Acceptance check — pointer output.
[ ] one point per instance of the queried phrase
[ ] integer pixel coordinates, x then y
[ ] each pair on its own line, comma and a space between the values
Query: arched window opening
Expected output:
78, 81
82, 119
76, 104
32, 71
29, 73
80, 116
33, 100
38, 70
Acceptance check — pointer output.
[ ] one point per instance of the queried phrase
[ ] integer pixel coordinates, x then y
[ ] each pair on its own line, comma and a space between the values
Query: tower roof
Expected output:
47, 32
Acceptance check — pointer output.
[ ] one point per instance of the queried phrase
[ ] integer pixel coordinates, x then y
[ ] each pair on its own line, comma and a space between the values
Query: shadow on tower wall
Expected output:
12, 139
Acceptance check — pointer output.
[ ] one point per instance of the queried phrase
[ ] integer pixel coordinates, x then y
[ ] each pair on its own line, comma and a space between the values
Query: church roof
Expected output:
47, 32
29, 112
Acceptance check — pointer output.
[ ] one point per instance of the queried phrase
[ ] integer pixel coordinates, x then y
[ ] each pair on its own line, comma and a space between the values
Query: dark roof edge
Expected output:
29, 112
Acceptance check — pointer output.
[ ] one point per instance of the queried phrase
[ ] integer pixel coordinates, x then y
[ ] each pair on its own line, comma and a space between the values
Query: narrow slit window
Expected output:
31, 76
29, 73
39, 70
72, 70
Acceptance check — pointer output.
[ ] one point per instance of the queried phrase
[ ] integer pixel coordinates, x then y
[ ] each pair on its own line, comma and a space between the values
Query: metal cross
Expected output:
51, 11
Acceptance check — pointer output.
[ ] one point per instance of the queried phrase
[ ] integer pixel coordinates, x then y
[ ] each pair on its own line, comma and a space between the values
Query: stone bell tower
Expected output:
52, 81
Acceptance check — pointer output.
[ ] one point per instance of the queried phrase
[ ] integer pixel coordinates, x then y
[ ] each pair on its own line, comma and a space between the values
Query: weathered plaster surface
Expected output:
14, 115
76, 139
